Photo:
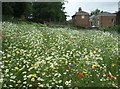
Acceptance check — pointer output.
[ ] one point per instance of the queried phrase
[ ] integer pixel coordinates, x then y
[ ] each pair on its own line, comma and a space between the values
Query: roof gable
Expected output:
81, 13
106, 14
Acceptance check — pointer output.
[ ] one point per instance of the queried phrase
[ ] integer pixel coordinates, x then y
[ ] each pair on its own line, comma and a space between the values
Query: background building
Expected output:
81, 18
105, 19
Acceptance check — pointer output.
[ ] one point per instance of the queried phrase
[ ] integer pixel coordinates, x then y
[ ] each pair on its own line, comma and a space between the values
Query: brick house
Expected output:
81, 18
105, 19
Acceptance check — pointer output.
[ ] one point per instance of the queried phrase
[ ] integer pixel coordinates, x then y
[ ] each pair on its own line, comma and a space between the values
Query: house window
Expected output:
83, 17
98, 23
98, 18
113, 21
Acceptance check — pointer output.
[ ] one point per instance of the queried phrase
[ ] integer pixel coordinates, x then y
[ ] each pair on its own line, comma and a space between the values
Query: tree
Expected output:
80, 9
16, 9
41, 11
7, 8
22, 8
118, 18
95, 12
49, 11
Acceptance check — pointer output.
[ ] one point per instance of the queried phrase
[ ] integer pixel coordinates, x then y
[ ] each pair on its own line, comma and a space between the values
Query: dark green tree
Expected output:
42, 11
49, 11
22, 8
118, 18
80, 9
16, 9
95, 12
7, 9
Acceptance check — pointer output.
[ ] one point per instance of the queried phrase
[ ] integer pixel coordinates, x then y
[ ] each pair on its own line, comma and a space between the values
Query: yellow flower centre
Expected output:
16, 68
18, 81
35, 75
93, 66
113, 65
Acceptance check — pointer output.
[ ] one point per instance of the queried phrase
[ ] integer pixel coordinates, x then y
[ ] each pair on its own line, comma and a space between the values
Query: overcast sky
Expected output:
107, 5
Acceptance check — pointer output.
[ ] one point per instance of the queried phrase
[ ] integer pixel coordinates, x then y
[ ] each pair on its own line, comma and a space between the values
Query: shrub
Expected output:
112, 29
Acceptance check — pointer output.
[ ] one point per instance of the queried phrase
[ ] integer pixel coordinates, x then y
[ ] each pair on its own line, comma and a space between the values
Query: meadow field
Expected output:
34, 57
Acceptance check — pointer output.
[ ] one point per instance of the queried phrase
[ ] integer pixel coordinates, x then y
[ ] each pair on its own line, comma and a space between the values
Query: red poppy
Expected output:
115, 77
80, 75
68, 67
109, 75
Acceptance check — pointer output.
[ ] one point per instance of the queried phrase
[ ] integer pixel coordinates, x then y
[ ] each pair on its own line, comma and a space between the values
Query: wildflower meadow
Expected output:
35, 57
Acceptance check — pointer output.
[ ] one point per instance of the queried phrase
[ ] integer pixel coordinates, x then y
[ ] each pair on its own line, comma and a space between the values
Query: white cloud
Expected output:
92, 0
72, 7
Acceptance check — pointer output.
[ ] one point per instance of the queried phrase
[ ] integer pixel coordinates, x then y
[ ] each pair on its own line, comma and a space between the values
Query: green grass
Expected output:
43, 57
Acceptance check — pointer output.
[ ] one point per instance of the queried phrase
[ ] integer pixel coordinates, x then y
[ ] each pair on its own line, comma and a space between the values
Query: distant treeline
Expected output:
118, 18
34, 11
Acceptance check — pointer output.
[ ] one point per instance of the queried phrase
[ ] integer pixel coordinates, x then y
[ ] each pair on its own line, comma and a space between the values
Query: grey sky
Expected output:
72, 7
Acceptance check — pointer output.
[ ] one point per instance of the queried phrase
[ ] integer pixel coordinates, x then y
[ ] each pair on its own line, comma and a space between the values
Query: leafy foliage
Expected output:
49, 11
113, 29
40, 11
118, 18
95, 12
16, 9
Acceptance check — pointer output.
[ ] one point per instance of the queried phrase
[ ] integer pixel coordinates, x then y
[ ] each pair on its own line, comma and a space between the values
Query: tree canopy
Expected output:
49, 11
80, 9
95, 12
41, 11
118, 18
